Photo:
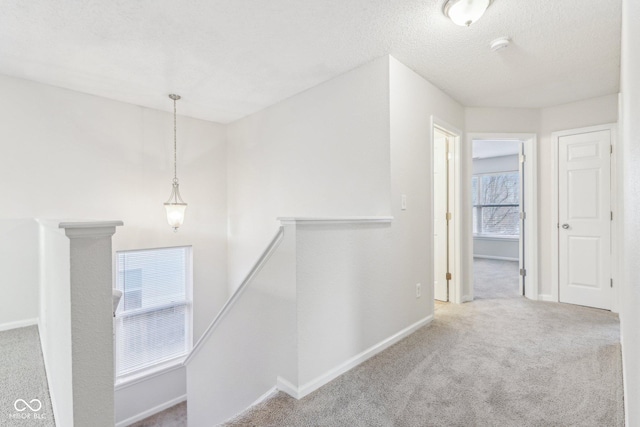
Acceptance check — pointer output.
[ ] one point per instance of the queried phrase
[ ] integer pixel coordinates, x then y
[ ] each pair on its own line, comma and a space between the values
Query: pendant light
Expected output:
175, 206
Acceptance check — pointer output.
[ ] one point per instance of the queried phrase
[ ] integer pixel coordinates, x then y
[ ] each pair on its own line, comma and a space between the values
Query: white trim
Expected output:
287, 387
625, 382
90, 224
495, 238
546, 297
45, 358
501, 258
148, 373
149, 412
615, 203
18, 324
332, 374
335, 220
259, 400
530, 141
455, 231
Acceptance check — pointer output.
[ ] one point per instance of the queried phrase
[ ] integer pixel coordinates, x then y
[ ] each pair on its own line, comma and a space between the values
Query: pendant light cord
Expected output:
175, 144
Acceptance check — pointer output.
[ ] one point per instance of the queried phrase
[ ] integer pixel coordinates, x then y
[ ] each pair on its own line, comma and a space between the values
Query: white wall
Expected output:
349, 298
153, 394
630, 130
252, 345
323, 152
71, 155
54, 270
348, 147
543, 122
413, 102
595, 111
19, 265
496, 164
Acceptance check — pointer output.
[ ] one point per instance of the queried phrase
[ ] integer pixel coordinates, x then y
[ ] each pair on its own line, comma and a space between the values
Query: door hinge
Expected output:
611, 215
611, 283
523, 158
611, 149
448, 276
448, 216
523, 215
523, 272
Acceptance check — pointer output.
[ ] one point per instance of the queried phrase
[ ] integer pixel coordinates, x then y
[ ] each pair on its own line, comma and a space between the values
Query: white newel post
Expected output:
91, 321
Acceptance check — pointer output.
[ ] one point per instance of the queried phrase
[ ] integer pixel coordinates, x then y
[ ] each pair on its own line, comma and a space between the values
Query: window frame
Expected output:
166, 364
477, 224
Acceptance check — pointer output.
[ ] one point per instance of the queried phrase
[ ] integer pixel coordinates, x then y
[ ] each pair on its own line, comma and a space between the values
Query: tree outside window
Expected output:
496, 204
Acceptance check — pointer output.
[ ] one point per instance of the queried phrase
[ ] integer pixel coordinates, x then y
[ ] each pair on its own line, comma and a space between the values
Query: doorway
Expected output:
442, 213
446, 254
497, 190
516, 223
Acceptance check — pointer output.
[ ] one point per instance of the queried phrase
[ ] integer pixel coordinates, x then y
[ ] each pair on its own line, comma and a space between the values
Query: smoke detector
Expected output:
500, 43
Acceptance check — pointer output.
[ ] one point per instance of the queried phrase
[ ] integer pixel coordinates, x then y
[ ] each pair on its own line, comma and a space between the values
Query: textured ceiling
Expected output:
229, 58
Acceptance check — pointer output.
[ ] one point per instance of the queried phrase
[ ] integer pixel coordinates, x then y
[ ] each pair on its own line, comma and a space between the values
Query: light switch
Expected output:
403, 203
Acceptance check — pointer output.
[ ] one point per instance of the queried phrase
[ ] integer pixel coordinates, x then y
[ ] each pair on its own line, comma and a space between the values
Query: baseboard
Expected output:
45, 358
18, 324
500, 258
313, 385
152, 411
257, 401
625, 383
286, 387
546, 297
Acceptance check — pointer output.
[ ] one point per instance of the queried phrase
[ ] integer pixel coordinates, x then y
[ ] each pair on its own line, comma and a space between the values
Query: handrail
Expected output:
227, 306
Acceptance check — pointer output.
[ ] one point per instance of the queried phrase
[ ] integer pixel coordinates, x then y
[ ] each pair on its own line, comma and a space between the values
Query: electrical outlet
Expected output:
418, 290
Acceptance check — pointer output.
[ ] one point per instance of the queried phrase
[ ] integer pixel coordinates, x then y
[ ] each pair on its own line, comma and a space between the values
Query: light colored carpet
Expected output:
176, 416
22, 376
501, 360
495, 278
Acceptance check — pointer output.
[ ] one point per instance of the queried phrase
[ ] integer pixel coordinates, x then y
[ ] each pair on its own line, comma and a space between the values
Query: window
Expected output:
153, 321
496, 204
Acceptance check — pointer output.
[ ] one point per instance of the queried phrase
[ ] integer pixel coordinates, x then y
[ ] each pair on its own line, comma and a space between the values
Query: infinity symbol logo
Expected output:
21, 403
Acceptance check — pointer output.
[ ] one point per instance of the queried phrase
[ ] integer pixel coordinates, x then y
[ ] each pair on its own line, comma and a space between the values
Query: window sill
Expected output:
496, 238
150, 372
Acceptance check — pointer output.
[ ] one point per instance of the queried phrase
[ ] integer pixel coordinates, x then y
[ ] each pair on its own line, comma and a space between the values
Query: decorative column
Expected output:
91, 321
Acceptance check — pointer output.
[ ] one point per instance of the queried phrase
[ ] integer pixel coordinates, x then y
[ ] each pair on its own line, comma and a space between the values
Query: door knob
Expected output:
565, 226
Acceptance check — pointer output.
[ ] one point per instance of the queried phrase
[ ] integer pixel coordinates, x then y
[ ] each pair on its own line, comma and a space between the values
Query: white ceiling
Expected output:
229, 58
488, 148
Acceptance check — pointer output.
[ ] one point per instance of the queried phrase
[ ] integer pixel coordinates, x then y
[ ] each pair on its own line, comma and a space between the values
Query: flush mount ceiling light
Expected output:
175, 206
465, 12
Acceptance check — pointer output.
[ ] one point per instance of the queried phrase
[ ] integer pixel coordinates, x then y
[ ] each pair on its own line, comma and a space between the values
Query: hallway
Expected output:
504, 361
501, 360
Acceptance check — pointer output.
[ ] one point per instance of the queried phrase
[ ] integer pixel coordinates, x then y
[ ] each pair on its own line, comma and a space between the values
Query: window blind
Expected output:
153, 320
496, 204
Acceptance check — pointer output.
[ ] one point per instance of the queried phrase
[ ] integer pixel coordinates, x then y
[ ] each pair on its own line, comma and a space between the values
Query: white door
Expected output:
584, 162
440, 205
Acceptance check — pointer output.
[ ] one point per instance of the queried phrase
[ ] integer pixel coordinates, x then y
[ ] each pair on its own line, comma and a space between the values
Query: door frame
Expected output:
455, 242
530, 144
615, 208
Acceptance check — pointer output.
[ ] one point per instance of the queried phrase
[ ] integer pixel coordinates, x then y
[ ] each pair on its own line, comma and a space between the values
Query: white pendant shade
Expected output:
465, 12
175, 214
